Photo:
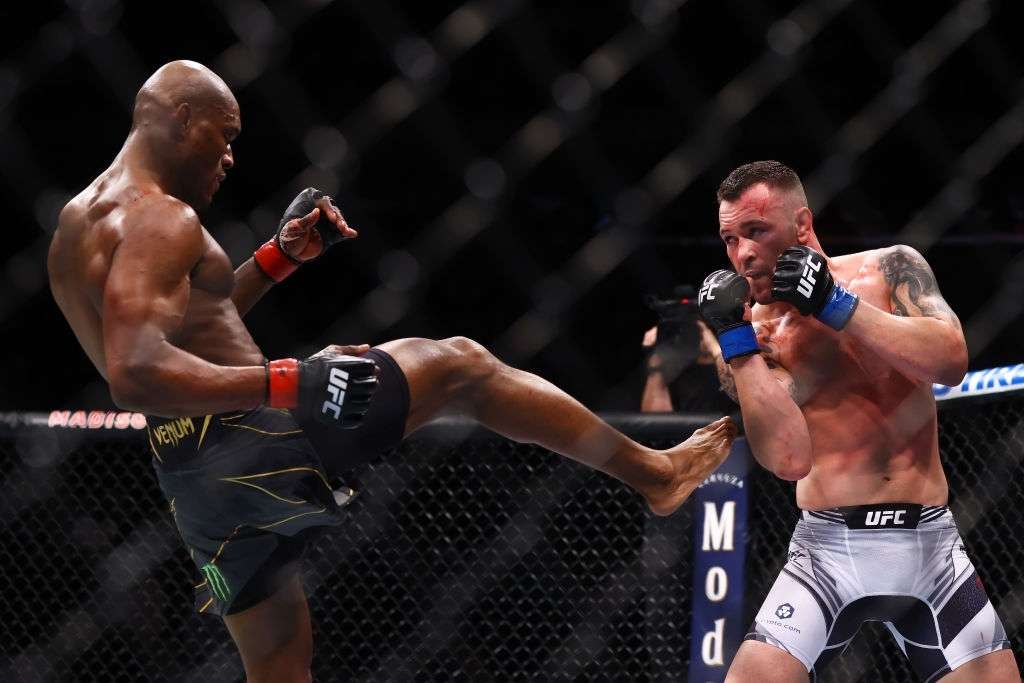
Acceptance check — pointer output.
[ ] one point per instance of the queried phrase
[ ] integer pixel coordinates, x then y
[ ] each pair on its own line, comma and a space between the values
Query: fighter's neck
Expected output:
140, 159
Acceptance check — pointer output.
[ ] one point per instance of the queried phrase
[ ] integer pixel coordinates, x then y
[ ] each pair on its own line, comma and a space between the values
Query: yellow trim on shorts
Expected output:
260, 488
208, 603
226, 540
288, 519
233, 417
202, 435
290, 469
263, 431
205, 581
149, 433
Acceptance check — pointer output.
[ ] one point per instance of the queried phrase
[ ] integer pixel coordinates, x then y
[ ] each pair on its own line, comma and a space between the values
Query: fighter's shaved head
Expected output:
181, 82
183, 124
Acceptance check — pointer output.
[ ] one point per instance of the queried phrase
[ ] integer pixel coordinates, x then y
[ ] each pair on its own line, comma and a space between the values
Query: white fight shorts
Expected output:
901, 564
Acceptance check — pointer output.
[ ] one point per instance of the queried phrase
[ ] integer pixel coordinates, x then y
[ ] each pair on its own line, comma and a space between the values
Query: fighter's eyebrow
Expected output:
744, 225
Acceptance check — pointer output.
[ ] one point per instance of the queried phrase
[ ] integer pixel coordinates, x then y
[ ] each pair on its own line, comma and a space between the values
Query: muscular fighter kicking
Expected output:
833, 366
153, 301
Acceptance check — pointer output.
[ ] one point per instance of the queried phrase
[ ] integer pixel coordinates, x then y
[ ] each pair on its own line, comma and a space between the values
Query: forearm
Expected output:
725, 378
251, 284
656, 397
924, 349
174, 383
775, 426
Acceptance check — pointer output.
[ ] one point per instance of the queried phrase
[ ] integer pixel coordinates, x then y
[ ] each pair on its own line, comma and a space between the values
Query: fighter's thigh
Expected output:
795, 617
440, 375
762, 663
997, 667
274, 637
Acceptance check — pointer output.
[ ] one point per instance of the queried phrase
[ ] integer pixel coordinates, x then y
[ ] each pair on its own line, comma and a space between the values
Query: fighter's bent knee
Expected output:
470, 364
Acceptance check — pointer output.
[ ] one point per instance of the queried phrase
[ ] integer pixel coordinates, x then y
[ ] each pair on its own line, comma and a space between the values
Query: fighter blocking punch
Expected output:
832, 361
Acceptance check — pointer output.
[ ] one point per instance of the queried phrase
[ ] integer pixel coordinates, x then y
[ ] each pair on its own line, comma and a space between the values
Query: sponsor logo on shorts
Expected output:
337, 383
216, 581
784, 611
796, 555
174, 431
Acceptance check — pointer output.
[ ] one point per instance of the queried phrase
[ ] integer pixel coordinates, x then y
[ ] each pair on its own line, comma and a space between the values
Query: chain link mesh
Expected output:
466, 557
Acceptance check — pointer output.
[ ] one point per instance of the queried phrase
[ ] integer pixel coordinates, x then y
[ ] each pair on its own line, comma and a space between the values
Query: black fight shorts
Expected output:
247, 490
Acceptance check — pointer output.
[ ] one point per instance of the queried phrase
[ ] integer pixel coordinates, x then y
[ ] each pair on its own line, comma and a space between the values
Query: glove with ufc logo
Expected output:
721, 301
334, 389
301, 235
802, 278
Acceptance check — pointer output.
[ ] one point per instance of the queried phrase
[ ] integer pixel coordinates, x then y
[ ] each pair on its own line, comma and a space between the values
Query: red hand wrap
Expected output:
274, 262
283, 383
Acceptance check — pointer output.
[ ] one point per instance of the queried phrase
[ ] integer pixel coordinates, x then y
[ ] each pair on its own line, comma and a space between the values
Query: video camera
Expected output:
678, 341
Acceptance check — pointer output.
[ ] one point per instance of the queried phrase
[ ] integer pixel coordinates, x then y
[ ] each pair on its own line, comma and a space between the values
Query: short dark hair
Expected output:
772, 173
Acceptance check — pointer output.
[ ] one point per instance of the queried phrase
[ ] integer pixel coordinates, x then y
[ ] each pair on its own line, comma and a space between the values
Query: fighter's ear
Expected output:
182, 119
804, 221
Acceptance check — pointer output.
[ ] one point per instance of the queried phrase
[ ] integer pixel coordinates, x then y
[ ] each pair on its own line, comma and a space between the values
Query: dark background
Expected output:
522, 173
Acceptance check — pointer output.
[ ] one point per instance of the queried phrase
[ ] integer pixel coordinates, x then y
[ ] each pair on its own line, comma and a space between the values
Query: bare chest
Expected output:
212, 277
821, 361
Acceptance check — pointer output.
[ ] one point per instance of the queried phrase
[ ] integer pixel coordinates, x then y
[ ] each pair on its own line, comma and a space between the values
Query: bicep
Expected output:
785, 379
914, 291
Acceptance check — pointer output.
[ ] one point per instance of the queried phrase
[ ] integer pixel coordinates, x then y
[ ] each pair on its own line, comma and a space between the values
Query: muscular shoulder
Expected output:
161, 232
161, 215
903, 267
914, 291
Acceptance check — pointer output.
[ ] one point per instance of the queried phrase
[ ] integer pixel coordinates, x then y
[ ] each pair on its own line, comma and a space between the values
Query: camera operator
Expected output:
681, 374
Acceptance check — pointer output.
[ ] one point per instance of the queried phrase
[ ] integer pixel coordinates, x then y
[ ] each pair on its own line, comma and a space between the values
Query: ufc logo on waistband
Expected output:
807, 280
336, 385
884, 517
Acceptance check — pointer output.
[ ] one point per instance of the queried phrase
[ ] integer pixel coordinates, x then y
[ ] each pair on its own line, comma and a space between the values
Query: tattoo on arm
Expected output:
915, 293
728, 382
726, 379
785, 379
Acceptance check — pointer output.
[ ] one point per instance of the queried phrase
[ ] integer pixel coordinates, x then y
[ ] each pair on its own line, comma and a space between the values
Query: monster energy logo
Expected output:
218, 584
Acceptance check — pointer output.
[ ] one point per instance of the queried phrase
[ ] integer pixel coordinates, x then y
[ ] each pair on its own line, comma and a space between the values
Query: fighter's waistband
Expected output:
176, 441
881, 516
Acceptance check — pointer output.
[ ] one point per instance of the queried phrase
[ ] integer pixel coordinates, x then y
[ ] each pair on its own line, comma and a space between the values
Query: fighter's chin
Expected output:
761, 295
202, 200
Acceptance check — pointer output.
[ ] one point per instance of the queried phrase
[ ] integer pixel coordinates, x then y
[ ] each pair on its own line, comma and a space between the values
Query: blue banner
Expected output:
719, 550
979, 382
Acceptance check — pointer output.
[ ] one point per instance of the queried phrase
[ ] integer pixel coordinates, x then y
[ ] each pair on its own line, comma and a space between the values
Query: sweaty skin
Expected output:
866, 401
146, 289
153, 301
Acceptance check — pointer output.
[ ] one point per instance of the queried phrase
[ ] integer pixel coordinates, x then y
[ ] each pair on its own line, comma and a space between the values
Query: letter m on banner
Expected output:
719, 530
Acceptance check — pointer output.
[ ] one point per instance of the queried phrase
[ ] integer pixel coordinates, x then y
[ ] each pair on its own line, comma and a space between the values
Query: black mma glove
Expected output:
802, 278
721, 301
272, 257
331, 388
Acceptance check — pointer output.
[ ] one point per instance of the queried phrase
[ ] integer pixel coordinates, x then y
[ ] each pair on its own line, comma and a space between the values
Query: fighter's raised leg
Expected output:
458, 376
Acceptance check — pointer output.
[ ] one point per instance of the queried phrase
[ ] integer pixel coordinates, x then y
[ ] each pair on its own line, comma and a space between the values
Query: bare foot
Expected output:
694, 460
